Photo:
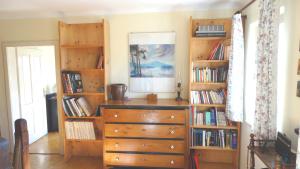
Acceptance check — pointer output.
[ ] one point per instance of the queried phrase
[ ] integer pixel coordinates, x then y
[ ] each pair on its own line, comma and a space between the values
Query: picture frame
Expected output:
152, 62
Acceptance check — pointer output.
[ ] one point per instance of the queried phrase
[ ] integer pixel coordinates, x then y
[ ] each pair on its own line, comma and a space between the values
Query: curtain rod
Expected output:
246, 6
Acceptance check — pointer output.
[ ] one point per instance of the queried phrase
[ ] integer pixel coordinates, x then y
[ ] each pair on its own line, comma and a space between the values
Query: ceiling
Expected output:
60, 8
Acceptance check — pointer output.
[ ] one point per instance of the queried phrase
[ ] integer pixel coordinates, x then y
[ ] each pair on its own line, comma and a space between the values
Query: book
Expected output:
80, 130
208, 97
86, 107
77, 107
100, 62
72, 82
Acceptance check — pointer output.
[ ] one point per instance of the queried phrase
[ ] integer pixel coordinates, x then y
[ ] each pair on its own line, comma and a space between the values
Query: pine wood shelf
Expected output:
84, 118
208, 38
200, 49
211, 61
80, 46
85, 70
215, 127
211, 148
85, 94
205, 86
82, 140
210, 105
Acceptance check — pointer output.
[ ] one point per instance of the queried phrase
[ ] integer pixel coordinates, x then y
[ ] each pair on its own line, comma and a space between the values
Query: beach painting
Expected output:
152, 62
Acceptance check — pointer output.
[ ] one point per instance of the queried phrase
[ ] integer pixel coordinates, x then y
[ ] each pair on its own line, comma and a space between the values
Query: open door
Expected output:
32, 98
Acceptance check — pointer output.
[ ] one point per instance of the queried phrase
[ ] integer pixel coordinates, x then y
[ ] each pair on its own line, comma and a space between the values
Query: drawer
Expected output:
144, 145
144, 131
144, 160
144, 116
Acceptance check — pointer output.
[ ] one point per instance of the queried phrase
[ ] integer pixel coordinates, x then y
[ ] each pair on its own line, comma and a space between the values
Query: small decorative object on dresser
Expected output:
298, 89
118, 91
179, 89
152, 97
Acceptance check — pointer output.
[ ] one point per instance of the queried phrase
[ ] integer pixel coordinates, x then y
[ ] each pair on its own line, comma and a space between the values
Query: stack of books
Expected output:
80, 130
77, 107
212, 117
210, 31
210, 75
216, 138
208, 97
72, 82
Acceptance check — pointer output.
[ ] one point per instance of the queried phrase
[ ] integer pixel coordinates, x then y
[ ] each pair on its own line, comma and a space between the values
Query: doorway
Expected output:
31, 78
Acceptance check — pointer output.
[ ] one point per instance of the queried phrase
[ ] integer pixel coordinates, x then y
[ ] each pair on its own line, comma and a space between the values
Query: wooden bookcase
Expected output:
80, 48
211, 157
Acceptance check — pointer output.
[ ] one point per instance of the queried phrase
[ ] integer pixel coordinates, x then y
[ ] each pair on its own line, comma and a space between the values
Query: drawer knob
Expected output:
172, 117
116, 130
172, 162
172, 132
144, 145
116, 116
117, 145
172, 147
117, 158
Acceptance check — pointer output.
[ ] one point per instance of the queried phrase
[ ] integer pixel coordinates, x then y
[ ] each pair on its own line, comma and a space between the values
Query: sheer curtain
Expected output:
266, 58
235, 93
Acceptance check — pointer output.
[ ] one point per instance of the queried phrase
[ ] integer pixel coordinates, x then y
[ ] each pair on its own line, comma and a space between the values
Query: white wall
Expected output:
120, 26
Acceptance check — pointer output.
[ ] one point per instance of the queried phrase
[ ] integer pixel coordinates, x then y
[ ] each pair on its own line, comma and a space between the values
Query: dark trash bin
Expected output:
52, 118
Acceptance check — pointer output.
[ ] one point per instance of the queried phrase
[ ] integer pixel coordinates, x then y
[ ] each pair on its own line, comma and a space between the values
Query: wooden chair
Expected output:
21, 150
21, 153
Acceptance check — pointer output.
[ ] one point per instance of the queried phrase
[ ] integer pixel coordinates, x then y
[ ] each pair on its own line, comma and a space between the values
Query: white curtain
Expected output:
265, 104
235, 93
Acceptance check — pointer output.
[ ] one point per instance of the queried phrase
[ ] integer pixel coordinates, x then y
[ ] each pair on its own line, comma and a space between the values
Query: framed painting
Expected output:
152, 62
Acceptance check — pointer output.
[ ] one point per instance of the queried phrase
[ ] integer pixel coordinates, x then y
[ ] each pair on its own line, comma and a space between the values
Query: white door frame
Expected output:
8, 115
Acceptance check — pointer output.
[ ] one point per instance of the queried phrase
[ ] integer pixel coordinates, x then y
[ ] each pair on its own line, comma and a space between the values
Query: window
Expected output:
250, 71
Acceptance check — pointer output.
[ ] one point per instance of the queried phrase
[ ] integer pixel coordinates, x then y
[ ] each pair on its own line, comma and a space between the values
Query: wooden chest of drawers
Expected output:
140, 134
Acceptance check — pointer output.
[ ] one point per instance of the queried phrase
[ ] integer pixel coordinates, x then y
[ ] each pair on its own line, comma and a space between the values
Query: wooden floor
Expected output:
39, 161
48, 144
45, 154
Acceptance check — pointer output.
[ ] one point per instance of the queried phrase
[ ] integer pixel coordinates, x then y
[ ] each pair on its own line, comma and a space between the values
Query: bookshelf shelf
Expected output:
210, 105
86, 70
201, 50
208, 38
81, 46
85, 118
214, 127
85, 94
83, 54
77, 140
211, 148
205, 86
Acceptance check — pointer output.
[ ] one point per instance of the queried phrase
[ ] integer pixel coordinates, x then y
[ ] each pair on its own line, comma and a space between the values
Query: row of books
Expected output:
80, 130
217, 138
212, 117
77, 107
208, 97
210, 31
208, 75
72, 82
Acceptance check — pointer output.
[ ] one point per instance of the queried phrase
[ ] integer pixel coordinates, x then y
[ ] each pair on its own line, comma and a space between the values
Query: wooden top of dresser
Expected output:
144, 104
